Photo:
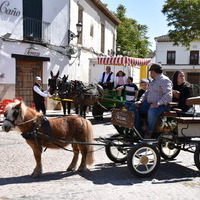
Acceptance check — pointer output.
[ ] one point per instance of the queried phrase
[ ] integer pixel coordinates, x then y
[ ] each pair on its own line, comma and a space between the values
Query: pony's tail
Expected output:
90, 148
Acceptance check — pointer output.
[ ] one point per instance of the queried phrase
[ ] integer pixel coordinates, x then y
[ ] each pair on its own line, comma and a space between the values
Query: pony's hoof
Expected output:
83, 170
69, 169
36, 174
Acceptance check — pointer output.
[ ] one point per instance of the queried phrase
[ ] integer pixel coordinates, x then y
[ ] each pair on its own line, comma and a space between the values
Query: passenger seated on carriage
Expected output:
120, 80
106, 80
131, 90
144, 84
181, 91
155, 100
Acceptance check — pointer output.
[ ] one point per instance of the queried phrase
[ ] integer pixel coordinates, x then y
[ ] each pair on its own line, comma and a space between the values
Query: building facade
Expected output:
180, 58
34, 40
98, 36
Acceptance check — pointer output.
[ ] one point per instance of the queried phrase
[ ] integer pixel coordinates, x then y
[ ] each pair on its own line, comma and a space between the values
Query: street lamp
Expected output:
72, 35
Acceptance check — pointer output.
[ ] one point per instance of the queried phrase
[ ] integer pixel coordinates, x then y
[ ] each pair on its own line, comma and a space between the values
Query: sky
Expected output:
146, 12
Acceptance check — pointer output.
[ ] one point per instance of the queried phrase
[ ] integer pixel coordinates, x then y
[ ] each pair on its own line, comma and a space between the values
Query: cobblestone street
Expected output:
178, 179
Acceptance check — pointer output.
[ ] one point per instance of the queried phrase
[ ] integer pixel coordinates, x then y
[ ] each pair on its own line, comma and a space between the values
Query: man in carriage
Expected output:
106, 80
155, 100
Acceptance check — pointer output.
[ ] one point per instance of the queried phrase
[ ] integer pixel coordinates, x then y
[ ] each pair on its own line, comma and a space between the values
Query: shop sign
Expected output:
5, 8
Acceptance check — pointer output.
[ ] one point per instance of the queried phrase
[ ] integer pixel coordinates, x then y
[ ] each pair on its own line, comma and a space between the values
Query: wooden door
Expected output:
26, 71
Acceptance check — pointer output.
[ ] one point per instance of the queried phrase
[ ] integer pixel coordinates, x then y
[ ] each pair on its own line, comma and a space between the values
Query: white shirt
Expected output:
106, 76
37, 89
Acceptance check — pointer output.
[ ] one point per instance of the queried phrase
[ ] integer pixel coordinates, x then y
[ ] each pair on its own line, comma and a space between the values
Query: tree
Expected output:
131, 36
184, 17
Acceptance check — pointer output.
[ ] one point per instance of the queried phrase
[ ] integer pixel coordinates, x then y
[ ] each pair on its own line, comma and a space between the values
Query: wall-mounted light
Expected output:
118, 49
72, 35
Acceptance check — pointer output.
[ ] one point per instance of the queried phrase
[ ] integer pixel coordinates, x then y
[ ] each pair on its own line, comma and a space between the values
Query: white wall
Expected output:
54, 13
91, 16
8, 65
57, 14
182, 53
11, 18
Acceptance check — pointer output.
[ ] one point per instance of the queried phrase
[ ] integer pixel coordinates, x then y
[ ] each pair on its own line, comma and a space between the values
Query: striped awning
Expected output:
127, 61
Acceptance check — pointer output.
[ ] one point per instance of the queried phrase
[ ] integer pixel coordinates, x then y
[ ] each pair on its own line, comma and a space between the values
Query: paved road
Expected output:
178, 179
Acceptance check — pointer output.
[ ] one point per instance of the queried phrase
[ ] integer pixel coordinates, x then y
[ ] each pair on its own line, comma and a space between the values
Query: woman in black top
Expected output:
183, 90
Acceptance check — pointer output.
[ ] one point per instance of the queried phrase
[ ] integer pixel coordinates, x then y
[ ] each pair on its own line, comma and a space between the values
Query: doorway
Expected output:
26, 71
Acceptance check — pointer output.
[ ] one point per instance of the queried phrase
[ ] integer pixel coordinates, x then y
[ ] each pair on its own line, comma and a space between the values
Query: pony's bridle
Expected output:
15, 115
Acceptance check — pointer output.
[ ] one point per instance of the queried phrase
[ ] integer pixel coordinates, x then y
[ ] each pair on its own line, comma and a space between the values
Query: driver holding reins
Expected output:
107, 79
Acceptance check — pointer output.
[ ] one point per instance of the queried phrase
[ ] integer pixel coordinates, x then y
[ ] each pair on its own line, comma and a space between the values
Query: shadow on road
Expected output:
111, 173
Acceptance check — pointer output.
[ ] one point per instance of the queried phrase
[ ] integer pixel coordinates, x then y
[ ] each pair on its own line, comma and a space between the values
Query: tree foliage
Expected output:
184, 18
131, 36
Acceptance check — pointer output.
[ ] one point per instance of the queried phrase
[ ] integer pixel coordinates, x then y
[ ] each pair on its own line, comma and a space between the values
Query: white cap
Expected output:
37, 78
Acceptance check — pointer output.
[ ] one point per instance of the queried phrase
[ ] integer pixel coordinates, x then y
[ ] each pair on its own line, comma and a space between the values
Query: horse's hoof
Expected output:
36, 174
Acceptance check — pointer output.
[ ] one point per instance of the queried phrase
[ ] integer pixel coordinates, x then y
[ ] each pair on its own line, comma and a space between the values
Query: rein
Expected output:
22, 123
34, 119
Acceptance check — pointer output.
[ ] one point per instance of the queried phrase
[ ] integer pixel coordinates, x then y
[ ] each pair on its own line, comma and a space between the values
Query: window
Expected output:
194, 57
80, 19
171, 57
32, 16
114, 45
91, 30
193, 78
102, 38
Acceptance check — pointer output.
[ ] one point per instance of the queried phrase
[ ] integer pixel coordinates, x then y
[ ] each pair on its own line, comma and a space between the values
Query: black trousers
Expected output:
40, 106
108, 86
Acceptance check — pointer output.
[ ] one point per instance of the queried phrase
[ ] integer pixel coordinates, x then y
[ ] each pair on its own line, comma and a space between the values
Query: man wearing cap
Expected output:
107, 79
155, 100
39, 95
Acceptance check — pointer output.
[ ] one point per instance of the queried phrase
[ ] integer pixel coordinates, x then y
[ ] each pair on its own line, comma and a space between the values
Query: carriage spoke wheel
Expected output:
197, 157
168, 147
117, 154
143, 160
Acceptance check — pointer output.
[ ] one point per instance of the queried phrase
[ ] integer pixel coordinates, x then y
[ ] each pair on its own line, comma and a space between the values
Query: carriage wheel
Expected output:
143, 160
168, 147
115, 153
197, 157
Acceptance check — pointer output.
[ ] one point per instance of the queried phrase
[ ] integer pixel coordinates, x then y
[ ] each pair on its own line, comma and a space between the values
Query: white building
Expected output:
175, 58
34, 41
98, 35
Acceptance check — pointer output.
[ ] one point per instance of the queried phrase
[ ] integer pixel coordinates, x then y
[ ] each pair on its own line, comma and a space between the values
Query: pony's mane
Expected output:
24, 108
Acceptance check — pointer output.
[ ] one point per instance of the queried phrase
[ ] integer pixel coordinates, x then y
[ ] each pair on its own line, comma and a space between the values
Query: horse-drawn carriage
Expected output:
142, 155
84, 95
127, 145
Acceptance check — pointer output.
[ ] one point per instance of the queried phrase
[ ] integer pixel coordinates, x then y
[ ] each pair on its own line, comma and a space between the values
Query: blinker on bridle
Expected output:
15, 115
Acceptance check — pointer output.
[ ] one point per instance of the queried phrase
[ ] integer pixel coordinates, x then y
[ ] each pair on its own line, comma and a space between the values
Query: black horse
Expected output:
85, 95
60, 86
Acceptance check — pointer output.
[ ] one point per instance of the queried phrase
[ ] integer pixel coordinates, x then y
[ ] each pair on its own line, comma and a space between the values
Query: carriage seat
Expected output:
193, 101
188, 120
171, 113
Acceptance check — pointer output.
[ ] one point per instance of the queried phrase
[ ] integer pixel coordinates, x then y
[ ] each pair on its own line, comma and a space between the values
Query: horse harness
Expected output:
33, 134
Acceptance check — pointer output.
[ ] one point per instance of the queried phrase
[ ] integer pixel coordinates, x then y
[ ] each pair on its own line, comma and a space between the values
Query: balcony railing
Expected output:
36, 30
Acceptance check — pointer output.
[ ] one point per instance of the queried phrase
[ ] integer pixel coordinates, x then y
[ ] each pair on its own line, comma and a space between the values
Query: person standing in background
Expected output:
39, 95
